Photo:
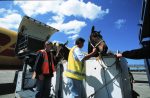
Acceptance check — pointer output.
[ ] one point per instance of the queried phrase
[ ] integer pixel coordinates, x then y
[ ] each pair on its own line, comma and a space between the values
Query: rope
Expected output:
105, 85
116, 61
96, 44
99, 43
91, 44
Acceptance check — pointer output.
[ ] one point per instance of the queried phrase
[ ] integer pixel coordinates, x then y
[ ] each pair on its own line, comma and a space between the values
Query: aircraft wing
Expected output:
11, 42
8, 60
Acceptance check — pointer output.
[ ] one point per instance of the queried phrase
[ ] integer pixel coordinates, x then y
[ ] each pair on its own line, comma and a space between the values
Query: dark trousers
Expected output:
43, 86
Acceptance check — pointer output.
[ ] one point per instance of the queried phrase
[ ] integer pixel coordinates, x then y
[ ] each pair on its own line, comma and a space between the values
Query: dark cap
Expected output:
78, 40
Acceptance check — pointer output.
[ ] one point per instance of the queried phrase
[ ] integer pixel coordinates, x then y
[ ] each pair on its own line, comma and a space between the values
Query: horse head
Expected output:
96, 40
62, 51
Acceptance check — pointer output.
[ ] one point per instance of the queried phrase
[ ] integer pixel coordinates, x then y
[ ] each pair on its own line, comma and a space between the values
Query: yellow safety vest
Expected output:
75, 69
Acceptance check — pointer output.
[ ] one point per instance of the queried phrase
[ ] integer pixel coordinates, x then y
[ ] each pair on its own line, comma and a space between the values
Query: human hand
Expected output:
133, 81
119, 55
34, 75
94, 50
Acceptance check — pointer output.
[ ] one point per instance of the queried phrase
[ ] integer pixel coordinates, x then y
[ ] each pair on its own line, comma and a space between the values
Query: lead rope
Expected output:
104, 68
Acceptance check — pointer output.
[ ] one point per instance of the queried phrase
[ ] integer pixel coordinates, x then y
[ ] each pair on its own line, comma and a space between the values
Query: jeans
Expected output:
76, 88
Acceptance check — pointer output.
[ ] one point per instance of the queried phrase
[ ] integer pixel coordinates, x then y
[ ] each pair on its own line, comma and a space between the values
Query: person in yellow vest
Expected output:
43, 70
75, 71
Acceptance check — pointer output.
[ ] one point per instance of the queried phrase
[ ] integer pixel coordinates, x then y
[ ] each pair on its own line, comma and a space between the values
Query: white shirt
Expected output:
78, 54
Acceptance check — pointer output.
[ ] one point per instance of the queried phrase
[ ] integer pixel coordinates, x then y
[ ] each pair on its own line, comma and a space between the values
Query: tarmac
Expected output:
141, 85
7, 87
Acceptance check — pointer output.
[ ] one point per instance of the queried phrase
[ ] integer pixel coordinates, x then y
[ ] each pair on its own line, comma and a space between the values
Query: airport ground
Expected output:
7, 87
141, 85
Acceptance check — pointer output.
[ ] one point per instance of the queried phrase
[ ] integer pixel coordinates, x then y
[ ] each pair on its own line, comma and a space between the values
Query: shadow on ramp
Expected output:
7, 88
139, 81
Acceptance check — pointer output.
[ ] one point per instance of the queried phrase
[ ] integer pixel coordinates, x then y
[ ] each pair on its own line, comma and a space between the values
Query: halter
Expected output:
96, 44
60, 54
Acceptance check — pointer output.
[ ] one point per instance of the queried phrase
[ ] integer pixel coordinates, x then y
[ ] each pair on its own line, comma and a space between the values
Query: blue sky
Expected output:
116, 19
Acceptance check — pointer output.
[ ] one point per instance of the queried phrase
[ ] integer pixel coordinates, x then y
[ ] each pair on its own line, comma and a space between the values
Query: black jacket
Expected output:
141, 53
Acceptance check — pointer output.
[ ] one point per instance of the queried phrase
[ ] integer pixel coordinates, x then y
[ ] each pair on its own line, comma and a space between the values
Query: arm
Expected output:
81, 56
89, 55
136, 53
38, 63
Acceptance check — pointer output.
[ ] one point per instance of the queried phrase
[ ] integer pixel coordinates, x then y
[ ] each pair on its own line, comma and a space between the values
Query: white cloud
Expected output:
74, 25
119, 23
79, 8
73, 37
58, 19
10, 19
64, 8
32, 8
71, 28
4, 11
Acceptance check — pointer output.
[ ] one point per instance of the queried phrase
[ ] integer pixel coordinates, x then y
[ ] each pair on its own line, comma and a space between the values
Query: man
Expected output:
43, 70
75, 69
141, 53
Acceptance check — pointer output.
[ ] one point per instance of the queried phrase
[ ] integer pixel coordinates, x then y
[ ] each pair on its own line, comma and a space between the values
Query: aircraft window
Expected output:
4, 39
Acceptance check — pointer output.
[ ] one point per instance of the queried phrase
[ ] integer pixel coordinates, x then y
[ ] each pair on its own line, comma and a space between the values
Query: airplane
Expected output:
8, 59
10, 49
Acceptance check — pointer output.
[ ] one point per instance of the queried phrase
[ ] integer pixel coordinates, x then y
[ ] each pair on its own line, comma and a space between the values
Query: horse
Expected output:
61, 50
96, 40
61, 58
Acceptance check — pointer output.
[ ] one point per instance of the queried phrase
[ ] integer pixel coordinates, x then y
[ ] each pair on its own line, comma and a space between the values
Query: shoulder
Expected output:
77, 50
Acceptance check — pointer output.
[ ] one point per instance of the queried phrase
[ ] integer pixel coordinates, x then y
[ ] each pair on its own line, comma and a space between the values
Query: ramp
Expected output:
105, 78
